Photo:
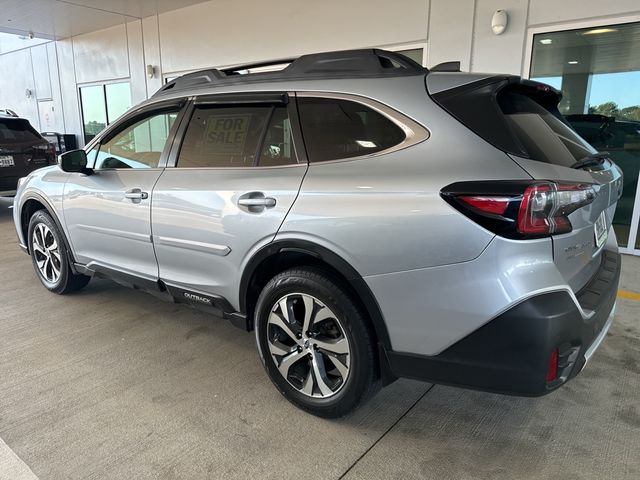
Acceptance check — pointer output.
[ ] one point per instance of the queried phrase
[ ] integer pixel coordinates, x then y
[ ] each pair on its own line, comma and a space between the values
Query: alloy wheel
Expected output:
308, 344
46, 253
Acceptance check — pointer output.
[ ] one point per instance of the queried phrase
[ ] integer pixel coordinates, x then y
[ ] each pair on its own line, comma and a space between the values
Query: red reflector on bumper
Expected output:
552, 372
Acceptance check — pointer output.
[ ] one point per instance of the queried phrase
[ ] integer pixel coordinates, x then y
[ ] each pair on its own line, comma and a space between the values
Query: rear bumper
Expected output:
511, 353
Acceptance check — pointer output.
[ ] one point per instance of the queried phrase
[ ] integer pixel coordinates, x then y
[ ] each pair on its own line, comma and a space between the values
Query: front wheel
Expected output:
49, 257
314, 342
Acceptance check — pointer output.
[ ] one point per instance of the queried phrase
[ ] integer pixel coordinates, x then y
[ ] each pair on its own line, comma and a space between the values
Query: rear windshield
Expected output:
517, 118
17, 131
543, 135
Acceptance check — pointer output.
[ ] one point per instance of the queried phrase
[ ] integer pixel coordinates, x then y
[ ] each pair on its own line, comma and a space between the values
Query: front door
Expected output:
235, 178
108, 213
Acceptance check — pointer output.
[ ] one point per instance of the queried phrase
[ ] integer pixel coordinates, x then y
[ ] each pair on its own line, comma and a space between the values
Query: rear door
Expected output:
231, 182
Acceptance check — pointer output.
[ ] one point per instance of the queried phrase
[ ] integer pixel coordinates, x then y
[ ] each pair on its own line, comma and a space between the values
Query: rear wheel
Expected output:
315, 343
49, 257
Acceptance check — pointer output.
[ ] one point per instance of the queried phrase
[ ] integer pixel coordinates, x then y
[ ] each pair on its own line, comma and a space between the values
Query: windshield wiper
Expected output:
595, 160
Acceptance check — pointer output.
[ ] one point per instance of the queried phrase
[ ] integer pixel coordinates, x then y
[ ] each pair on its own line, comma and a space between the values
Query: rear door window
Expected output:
335, 129
237, 137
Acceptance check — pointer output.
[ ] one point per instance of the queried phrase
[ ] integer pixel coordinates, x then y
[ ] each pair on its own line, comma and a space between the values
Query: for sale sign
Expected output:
227, 134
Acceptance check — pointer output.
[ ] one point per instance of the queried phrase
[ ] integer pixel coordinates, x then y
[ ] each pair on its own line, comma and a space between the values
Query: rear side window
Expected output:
335, 129
17, 131
237, 136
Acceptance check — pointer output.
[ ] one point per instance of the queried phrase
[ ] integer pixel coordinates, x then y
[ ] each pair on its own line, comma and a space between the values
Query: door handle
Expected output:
136, 194
257, 202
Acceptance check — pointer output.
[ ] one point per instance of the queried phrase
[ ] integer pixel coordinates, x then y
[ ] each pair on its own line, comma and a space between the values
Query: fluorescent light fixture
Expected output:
366, 144
546, 41
597, 31
572, 62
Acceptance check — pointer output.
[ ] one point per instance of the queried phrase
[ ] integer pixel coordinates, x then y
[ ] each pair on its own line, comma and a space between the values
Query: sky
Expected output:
622, 88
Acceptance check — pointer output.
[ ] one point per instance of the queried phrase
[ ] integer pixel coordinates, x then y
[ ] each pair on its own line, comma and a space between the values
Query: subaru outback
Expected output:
367, 218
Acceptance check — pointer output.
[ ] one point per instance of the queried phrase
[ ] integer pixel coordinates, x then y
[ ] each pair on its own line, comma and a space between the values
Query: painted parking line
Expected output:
630, 295
12, 467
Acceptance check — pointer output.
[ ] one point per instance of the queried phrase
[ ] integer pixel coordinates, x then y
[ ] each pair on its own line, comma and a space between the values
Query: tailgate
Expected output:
521, 118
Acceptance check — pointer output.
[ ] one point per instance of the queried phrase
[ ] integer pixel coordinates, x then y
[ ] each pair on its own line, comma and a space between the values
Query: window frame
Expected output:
134, 116
414, 132
273, 99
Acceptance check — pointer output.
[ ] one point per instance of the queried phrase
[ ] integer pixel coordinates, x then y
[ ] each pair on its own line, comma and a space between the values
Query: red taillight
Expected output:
494, 205
552, 371
520, 209
544, 207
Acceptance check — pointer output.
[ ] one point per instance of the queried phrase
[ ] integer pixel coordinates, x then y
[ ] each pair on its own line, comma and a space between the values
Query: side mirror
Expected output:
74, 161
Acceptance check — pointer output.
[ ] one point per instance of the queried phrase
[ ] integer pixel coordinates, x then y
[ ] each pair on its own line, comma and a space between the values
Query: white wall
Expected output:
466, 36
450, 32
16, 72
227, 32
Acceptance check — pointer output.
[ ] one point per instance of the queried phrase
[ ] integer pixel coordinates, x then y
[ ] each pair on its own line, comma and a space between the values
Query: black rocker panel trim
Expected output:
198, 299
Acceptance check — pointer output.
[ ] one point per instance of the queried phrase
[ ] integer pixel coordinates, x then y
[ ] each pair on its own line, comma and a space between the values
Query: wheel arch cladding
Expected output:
33, 204
281, 255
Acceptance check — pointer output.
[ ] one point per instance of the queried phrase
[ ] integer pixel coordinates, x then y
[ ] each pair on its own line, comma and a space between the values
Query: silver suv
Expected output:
367, 218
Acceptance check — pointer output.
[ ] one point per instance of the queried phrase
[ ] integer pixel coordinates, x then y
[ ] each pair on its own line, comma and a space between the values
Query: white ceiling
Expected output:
55, 19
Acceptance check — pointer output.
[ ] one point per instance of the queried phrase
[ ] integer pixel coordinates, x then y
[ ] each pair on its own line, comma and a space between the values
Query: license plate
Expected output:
600, 229
7, 161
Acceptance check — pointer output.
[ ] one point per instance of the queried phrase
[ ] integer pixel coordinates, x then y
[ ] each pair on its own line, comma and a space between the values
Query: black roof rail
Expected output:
446, 67
371, 62
8, 112
235, 70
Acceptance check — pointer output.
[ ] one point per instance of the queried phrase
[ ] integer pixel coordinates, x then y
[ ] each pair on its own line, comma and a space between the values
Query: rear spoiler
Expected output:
475, 104
446, 67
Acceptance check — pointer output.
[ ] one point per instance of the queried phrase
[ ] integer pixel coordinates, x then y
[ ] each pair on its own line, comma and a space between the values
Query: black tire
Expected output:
316, 283
65, 281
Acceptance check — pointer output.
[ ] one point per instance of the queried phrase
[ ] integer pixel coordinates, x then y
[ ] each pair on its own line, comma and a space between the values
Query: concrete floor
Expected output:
113, 383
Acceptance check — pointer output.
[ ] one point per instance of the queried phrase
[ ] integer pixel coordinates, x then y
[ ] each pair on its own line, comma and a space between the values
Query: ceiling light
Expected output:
366, 143
597, 31
572, 62
546, 41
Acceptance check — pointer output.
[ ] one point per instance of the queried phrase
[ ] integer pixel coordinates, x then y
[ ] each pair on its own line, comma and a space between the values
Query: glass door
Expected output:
598, 71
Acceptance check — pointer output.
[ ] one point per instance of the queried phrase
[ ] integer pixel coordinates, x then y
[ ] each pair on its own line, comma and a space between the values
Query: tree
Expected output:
631, 113
611, 109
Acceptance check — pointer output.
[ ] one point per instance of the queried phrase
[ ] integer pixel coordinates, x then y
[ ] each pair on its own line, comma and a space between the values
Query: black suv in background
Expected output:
22, 150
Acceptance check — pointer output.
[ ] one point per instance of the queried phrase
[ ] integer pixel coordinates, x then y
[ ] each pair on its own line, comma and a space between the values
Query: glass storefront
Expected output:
598, 71
101, 105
